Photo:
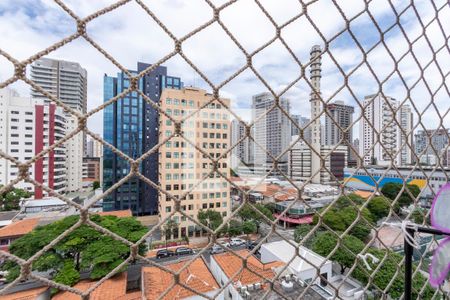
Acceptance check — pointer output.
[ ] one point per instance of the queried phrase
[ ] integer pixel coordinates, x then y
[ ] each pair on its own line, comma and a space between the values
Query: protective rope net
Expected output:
372, 283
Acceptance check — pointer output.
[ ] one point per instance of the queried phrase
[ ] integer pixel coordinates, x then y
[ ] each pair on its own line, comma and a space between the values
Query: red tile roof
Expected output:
117, 213
255, 271
112, 289
196, 276
25, 295
18, 228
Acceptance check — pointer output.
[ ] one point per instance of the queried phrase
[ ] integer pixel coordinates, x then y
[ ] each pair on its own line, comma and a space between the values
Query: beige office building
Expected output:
181, 165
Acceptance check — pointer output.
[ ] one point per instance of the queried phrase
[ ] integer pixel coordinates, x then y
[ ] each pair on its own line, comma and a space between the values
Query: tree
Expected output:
341, 219
301, 231
210, 218
249, 227
10, 200
418, 215
392, 189
391, 270
84, 249
348, 200
379, 207
234, 228
248, 213
95, 185
168, 229
326, 242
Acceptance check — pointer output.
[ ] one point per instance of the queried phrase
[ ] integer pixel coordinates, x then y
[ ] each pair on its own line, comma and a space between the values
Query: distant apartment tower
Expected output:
426, 140
338, 124
302, 123
74, 151
405, 139
94, 148
29, 128
131, 125
271, 131
63, 79
241, 153
182, 166
92, 170
17, 135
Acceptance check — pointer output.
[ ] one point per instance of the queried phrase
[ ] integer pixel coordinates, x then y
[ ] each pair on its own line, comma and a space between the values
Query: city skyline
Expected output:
246, 84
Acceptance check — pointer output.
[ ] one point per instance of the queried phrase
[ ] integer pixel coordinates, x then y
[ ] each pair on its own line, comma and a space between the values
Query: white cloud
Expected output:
130, 35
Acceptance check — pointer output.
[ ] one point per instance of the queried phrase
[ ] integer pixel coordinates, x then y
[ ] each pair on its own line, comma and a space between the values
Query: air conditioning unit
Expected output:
258, 286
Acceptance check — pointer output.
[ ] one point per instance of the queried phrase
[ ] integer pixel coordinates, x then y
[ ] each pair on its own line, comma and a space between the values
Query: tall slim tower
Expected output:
315, 75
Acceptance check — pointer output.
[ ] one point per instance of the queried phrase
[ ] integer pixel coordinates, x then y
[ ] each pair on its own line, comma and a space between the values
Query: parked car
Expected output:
251, 245
164, 253
216, 249
234, 242
183, 251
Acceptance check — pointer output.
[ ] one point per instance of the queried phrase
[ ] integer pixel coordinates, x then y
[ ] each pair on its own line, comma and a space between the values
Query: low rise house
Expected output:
251, 282
155, 282
39, 293
16, 230
114, 288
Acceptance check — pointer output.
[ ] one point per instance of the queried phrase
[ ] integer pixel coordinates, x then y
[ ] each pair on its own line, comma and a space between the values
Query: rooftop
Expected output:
285, 251
30, 294
19, 228
118, 213
255, 272
111, 289
196, 276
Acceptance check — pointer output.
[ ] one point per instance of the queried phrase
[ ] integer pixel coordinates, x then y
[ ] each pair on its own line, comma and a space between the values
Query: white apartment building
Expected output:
380, 137
17, 128
74, 151
405, 140
63, 79
94, 148
271, 131
241, 152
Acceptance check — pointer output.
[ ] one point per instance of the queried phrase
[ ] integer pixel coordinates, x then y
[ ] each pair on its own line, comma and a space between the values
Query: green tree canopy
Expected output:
388, 272
418, 216
348, 200
95, 185
379, 207
234, 228
84, 249
249, 213
10, 200
300, 233
391, 190
326, 242
341, 219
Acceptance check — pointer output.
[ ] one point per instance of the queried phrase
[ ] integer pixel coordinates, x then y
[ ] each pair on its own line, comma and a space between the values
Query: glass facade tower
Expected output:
131, 125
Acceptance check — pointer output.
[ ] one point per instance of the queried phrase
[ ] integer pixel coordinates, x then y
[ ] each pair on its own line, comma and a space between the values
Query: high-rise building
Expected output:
182, 166
378, 131
92, 169
426, 140
131, 125
316, 108
94, 148
67, 81
338, 123
51, 170
271, 131
241, 153
29, 127
17, 135
379, 136
405, 139
74, 151
63, 79
305, 160
301, 122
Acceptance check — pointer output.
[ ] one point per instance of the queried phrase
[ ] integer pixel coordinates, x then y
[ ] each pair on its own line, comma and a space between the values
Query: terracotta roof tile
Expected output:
25, 295
255, 271
111, 289
131, 296
196, 276
117, 213
19, 228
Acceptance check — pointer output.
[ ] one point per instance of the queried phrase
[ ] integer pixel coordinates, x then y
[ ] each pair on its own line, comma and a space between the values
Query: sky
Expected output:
417, 74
